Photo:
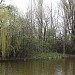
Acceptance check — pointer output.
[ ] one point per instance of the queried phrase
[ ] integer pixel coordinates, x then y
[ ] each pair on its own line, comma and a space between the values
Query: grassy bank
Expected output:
50, 55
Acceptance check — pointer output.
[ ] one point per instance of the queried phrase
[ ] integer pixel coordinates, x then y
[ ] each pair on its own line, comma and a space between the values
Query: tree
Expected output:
40, 18
69, 25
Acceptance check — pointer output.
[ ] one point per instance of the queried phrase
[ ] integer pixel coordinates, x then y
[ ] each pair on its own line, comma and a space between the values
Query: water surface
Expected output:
38, 67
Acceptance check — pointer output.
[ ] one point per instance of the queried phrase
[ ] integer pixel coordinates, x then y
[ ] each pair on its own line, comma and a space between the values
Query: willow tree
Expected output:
3, 41
3, 19
6, 20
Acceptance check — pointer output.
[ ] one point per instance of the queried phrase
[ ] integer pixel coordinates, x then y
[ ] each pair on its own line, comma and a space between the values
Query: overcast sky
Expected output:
23, 4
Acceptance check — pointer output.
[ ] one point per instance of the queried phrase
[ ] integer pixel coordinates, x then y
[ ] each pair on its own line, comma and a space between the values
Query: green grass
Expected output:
47, 55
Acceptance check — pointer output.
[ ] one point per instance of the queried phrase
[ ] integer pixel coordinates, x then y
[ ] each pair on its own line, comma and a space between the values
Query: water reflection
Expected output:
38, 67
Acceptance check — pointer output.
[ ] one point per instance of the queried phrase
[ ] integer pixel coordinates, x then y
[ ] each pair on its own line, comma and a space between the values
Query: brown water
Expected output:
38, 67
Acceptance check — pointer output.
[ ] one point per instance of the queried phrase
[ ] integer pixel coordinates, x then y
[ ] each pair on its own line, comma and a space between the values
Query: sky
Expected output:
22, 5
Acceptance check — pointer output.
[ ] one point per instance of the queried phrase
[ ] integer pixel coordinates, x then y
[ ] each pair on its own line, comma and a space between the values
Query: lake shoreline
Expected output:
38, 57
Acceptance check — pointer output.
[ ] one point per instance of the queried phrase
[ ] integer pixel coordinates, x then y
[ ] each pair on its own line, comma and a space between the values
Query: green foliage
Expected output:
19, 39
3, 40
47, 55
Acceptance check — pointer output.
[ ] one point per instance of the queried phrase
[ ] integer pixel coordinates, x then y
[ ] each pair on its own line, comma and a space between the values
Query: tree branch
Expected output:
1, 1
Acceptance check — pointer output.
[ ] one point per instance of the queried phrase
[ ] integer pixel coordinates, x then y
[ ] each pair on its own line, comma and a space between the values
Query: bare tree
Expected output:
69, 22
40, 18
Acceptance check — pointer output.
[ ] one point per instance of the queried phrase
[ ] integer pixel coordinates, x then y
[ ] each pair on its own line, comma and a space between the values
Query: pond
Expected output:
39, 67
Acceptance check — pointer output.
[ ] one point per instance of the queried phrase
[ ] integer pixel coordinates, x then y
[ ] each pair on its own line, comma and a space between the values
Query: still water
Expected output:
38, 67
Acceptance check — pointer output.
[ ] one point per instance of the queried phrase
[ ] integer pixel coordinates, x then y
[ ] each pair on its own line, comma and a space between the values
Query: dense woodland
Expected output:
41, 29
